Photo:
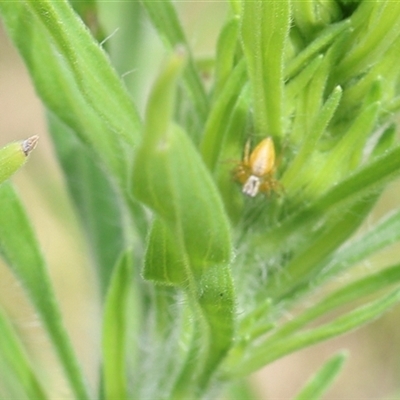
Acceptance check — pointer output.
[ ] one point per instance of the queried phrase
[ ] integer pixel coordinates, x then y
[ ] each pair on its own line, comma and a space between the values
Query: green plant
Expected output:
203, 284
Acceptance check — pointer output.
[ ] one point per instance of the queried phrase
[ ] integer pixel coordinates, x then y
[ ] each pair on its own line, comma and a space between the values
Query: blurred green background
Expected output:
373, 369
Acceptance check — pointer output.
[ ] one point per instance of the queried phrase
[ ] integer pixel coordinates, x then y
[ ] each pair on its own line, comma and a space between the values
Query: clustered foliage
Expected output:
196, 278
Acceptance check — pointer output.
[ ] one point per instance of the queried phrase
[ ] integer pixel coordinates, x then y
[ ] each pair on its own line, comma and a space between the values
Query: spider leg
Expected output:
269, 184
246, 153
241, 173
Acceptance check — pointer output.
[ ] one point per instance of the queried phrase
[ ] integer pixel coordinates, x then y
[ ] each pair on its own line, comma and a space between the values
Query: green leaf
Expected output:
346, 155
170, 177
382, 71
350, 293
20, 249
165, 20
309, 17
163, 261
115, 330
265, 352
127, 55
323, 40
87, 10
167, 332
322, 379
74, 78
291, 177
309, 103
235, 6
234, 137
212, 303
14, 361
386, 141
365, 180
295, 87
98, 203
383, 234
243, 390
225, 54
307, 263
370, 40
216, 126
265, 29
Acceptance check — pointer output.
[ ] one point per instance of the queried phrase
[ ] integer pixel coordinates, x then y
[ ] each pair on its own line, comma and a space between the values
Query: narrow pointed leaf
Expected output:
323, 40
265, 29
14, 360
322, 379
115, 330
225, 54
345, 296
383, 234
367, 179
303, 268
20, 249
265, 353
216, 125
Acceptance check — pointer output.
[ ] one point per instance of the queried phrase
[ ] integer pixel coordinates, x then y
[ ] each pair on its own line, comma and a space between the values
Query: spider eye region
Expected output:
256, 171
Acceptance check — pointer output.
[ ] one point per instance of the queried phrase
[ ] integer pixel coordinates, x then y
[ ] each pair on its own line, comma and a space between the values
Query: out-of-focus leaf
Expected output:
342, 297
20, 249
74, 78
87, 9
265, 352
15, 362
243, 390
225, 54
115, 330
100, 208
384, 233
323, 379
128, 43
165, 19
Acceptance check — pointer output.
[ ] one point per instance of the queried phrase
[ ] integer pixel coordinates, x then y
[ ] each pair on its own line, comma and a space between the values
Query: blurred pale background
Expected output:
373, 369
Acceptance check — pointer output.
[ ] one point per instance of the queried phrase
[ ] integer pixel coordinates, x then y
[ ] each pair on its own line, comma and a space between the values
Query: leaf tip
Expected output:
29, 144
